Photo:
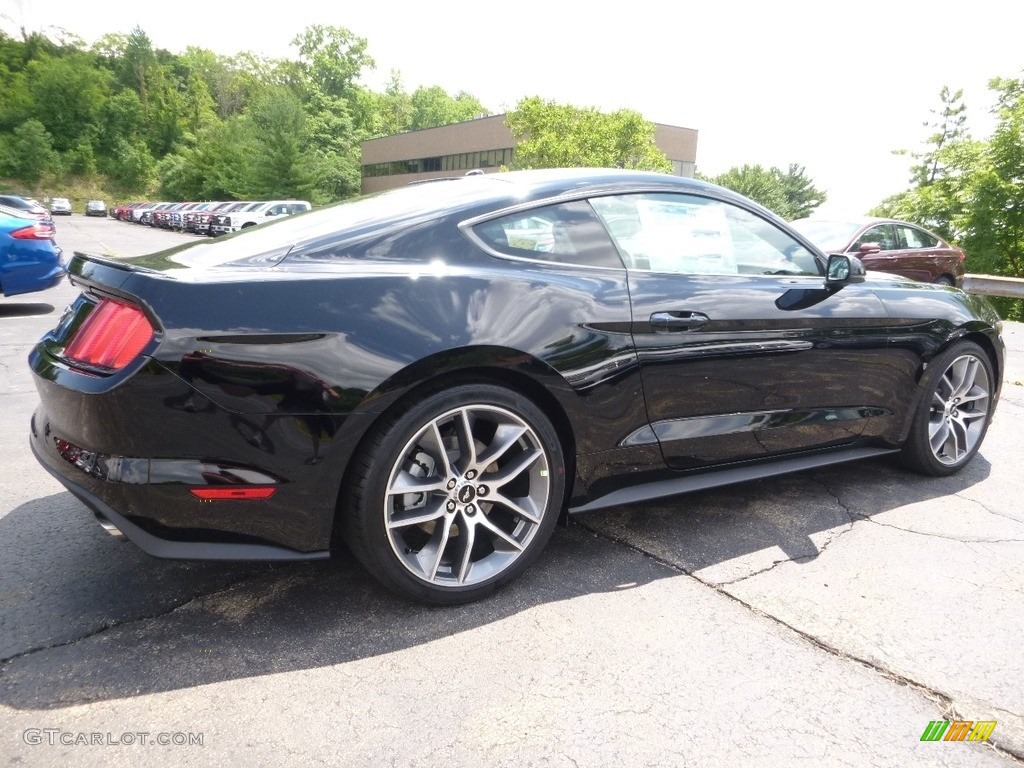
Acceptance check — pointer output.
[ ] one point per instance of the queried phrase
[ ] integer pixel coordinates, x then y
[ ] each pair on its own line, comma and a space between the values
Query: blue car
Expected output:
29, 259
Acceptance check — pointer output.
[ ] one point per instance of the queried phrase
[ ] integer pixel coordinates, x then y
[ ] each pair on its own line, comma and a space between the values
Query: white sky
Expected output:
834, 86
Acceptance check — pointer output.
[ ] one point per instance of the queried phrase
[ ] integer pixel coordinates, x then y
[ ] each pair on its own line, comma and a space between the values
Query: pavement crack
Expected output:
942, 700
987, 508
929, 534
849, 515
5, 662
797, 559
773, 566
851, 518
855, 516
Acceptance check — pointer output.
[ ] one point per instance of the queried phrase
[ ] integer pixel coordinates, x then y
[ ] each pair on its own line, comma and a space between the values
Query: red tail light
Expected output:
111, 337
41, 230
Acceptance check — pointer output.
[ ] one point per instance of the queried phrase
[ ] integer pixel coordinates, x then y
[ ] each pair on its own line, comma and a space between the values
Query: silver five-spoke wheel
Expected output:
959, 410
954, 411
456, 492
466, 495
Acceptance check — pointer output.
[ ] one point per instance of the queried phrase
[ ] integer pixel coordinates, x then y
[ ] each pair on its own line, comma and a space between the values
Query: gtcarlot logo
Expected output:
57, 737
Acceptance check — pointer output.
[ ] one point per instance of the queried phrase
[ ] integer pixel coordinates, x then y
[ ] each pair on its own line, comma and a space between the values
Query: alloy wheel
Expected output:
959, 410
466, 495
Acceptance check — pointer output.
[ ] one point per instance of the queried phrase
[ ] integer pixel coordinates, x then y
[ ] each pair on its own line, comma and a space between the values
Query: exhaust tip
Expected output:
109, 527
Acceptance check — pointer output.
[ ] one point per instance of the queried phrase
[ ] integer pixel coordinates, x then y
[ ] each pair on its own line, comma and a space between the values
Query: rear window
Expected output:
566, 233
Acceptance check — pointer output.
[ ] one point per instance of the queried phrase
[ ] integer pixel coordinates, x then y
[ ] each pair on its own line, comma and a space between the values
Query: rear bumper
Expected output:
144, 446
103, 482
113, 522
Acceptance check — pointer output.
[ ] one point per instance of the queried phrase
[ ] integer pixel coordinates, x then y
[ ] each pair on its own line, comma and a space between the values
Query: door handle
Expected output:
668, 322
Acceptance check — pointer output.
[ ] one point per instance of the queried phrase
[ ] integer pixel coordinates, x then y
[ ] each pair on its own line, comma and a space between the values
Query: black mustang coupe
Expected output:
434, 375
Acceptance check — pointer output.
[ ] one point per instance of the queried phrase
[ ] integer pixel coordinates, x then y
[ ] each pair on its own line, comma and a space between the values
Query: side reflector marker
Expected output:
233, 492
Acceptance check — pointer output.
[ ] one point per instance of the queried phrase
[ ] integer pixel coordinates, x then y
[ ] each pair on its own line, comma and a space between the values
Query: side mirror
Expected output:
868, 248
843, 269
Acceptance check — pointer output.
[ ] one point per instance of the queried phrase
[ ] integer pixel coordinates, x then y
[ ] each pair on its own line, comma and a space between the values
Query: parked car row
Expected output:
208, 218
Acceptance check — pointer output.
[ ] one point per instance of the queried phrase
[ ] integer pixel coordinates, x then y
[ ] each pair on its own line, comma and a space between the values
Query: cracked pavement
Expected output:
823, 617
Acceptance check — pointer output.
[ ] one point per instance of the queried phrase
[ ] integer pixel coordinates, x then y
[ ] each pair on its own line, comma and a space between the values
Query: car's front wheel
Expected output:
456, 493
954, 413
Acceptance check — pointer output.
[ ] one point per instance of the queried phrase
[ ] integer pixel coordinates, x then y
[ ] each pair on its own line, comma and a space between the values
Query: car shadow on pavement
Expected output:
789, 517
19, 309
89, 618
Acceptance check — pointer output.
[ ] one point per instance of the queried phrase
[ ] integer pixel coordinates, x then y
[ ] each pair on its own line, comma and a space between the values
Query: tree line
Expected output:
198, 125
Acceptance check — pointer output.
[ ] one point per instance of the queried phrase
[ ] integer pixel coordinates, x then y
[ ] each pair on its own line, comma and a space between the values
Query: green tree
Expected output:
790, 193
381, 114
218, 167
28, 153
331, 58
68, 93
136, 63
551, 135
110, 48
941, 173
282, 166
942, 204
994, 223
123, 118
81, 158
133, 167
433, 106
949, 126
760, 184
802, 197
334, 155
16, 103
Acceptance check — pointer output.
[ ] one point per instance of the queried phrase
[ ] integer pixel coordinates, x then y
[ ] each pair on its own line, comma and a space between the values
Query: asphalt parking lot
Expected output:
823, 618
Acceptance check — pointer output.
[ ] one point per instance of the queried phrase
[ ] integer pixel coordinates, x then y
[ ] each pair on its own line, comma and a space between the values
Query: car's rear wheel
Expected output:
944, 280
455, 494
954, 413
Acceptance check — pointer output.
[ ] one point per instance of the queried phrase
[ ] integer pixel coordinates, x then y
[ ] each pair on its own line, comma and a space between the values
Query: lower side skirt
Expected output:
714, 479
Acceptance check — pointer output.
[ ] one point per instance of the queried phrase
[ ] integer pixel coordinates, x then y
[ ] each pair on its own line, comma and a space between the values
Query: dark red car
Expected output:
887, 245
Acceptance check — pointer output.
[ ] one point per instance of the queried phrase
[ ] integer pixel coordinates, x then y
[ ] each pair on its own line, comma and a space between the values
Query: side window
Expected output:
692, 235
568, 233
912, 237
881, 236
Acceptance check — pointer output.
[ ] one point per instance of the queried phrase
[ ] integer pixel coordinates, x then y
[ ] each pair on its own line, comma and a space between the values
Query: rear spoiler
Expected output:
93, 270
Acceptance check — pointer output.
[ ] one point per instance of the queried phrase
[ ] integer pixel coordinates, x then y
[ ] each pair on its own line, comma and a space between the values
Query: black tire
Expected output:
945, 280
954, 413
500, 491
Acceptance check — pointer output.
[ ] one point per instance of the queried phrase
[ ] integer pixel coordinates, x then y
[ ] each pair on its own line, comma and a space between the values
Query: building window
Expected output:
464, 161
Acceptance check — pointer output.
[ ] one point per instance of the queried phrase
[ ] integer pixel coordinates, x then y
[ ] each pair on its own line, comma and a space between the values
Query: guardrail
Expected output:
987, 285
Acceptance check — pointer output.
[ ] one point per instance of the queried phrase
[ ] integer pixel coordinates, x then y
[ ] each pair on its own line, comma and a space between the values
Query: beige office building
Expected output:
485, 144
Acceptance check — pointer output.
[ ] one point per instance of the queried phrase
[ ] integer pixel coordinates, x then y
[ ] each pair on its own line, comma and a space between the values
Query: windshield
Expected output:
827, 235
